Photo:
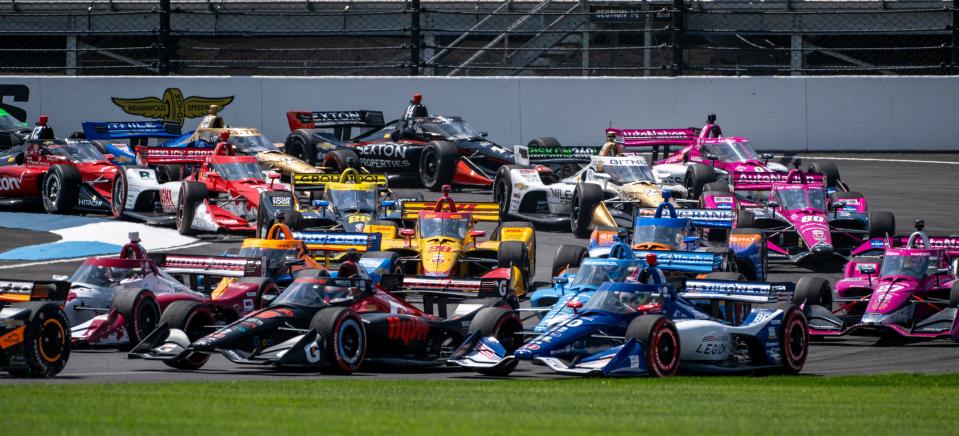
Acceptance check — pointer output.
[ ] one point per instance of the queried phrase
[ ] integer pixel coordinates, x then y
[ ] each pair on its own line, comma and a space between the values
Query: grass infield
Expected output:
872, 405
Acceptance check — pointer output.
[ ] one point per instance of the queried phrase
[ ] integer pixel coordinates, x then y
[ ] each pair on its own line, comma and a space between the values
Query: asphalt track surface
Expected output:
913, 186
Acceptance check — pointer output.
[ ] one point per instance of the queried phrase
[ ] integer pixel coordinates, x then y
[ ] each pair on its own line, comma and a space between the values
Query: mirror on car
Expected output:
867, 269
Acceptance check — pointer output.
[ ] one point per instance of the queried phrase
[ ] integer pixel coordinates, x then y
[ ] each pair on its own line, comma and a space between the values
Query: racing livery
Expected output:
909, 289
34, 331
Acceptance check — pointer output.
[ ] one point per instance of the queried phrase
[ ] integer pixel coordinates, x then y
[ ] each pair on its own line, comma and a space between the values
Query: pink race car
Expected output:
909, 290
801, 219
707, 158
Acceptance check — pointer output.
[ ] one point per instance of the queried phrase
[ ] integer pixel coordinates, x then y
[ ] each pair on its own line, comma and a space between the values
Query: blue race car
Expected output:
654, 329
105, 134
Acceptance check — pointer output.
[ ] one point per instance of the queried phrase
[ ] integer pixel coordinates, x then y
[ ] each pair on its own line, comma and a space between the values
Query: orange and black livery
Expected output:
34, 331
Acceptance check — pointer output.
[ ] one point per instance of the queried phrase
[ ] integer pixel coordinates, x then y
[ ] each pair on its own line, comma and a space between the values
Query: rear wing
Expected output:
537, 155
745, 292
217, 266
108, 130
699, 262
484, 211
332, 242
18, 291
170, 155
330, 119
948, 243
705, 218
650, 137
752, 181
439, 291
318, 182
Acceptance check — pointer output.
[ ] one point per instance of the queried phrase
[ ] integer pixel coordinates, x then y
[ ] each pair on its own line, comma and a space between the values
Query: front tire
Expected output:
568, 256
793, 340
696, 178
503, 188
881, 224
504, 325
660, 341
141, 313
515, 253
586, 197
46, 341
61, 189
813, 291
191, 195
192, 318
438, 164
344, 338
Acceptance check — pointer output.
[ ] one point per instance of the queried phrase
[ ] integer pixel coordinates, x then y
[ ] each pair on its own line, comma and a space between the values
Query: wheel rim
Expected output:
51, 340
196, 325
350, 344
119, 192
53, 189
147, 315
795, 342
574, 210
499, 196
506, 335
430, 166
665, 351
179, 217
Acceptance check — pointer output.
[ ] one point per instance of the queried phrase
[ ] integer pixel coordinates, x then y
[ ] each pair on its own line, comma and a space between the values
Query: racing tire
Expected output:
881, 224
266, 290
504, 325
170, 173
141, 313
194, 319
503, 188
696, 178
568, 256
954, 295
61, 189
793, 339
191, 194
660, 341
716, 187
344, 338
46, 340
118, 194
393, 266
294, 220
745, 219
339, 160
813, 291
544, 141
726, 275
828, 169
438, 164
515, 253
586, 197
301, 146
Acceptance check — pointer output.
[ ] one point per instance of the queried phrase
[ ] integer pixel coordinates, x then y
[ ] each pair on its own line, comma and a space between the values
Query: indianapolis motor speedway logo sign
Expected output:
172, 106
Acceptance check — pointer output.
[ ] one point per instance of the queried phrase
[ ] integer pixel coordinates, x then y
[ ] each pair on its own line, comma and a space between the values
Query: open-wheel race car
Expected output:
902, 286
801, 220
646, 326
34, 331
331, 322
444, 248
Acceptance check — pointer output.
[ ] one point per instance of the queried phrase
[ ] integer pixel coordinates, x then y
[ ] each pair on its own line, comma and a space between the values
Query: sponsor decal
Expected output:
408, 329
281, 201
723, 200
562, 194
171, 106
397, 151
312, 351
11, 183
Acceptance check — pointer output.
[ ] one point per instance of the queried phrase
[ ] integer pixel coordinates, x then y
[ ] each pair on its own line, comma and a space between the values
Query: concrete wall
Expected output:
776, 113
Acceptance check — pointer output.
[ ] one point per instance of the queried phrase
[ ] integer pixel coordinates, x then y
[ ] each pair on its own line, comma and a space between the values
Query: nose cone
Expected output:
876, 319
823, 249
523, 354
356, 222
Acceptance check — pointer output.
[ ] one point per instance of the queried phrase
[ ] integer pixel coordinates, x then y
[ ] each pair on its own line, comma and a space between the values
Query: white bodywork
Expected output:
140, 181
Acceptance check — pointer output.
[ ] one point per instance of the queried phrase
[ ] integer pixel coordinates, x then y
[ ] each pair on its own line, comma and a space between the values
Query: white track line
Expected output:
48, 262
875, 159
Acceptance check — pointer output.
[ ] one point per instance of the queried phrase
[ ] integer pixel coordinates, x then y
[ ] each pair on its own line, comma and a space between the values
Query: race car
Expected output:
347, 201
68, 176
444, 248
106, 134
117, 301
334, 324
909, 289
225, 193
439, 150
653, 328
604, 191
706, 156
801, 220
34, 331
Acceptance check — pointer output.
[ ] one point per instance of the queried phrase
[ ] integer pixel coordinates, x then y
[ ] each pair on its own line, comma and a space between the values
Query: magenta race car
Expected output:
706, 158
801, 219
910, 290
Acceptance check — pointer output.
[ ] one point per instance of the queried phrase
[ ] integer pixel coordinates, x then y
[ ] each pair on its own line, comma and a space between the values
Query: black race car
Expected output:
439, 150
34, 331
334, 324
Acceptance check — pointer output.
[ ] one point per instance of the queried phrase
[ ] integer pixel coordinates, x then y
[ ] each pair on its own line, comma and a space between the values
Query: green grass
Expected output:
874, 405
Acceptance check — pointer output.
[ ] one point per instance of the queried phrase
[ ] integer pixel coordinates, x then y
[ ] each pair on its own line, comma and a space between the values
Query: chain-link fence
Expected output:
479, 38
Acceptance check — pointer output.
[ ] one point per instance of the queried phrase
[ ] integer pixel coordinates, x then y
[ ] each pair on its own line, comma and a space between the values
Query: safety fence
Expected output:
480, 38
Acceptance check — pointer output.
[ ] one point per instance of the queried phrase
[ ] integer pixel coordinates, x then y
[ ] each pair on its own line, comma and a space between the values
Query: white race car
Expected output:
601, 193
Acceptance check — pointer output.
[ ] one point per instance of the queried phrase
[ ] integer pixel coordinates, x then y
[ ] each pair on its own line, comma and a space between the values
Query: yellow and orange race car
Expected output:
444, 251
34, 331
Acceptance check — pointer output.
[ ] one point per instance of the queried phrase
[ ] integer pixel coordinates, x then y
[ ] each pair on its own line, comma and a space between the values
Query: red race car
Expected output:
226, 192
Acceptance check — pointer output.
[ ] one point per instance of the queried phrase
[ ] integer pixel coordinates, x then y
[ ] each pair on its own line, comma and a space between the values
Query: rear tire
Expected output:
745, 219
696, 178
302, 147
339, 159
881, 224
438, 164
793, 339
61, 189
118, 194
344, 338
813, 291
503, 325
141, 313
46, 340
191, 195
829, 169
503, 188
568, 256
192, 318
586, 197
515, 253
660, 341
266, 290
